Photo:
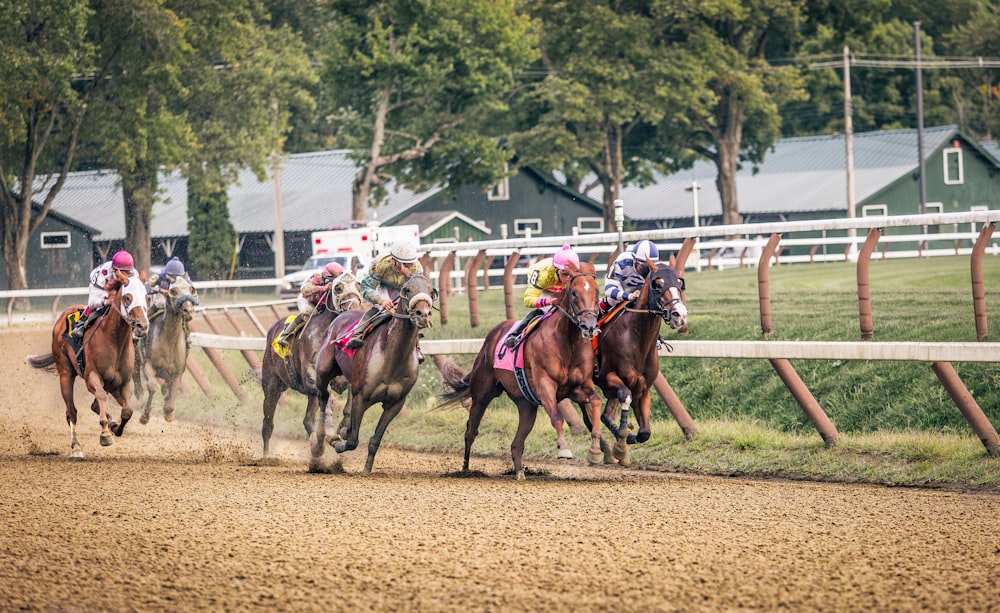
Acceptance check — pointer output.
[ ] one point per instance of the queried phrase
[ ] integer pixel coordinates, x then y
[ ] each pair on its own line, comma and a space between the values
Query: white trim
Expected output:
948, 180
535, 222
875, 210
56, 245
596, 225
500, 191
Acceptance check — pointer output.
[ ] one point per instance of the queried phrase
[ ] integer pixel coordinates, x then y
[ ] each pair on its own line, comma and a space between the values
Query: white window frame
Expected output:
590, 225
875, 210
521, 224
931, 208
43, 235
500, 191
948, 179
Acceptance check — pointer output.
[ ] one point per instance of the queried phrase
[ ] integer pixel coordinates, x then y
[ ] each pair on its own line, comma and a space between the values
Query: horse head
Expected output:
663, 289
579, 298
416, 300
346, 293
131, 301
182, 299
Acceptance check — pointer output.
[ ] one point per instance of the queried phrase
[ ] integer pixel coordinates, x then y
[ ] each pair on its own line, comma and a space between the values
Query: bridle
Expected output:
655, 301
575, 314
417, 319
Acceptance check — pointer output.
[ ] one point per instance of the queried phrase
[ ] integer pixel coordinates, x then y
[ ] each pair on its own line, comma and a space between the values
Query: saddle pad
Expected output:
506, 358
71, 319
345, 336
282, 352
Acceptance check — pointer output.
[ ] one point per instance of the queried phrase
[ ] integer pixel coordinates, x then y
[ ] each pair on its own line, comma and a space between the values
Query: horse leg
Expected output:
66, 388
317, 436
526, 414
147, 406
123, 396
388, 414
169, 390
356, 411
563, 451
593, 411
272, 392
99, 406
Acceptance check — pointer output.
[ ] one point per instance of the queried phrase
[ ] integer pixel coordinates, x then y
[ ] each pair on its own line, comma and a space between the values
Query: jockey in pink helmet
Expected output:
99, 278
546, 279
311, 294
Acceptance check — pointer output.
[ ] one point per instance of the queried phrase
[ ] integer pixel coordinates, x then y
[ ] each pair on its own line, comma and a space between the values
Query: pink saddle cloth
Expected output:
506, 358
341, 341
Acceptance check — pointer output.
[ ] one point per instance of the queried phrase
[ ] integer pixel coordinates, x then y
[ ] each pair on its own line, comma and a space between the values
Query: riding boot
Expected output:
285, 338
359, 331
83, 323
515, 334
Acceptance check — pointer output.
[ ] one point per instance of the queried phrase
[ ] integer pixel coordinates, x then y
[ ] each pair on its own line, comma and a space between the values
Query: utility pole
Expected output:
920, 119
849, 144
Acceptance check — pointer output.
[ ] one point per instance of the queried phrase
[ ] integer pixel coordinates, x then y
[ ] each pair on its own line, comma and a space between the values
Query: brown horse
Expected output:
384, 369
108, 356
297, 370
558, 364
162, 356
627, 355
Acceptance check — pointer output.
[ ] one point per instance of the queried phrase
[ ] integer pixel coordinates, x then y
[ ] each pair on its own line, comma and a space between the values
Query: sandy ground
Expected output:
181, 517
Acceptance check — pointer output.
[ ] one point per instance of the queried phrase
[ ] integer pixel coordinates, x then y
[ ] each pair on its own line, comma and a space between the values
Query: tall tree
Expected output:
50, 70
420, 81
608, 77
728, 41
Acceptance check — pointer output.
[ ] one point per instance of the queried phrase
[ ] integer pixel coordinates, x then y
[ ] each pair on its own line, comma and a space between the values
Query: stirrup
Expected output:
77, 331
512, 340
354, 343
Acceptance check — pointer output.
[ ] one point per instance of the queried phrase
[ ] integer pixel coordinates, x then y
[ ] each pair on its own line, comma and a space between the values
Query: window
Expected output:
500, 191
874, 210
934, 208
590, 225
523, 226
953, 170
55, 240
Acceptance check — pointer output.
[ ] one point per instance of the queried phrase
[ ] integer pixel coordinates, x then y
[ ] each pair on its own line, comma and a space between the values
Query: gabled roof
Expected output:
315, 195
429, 221
992, 147
799, 175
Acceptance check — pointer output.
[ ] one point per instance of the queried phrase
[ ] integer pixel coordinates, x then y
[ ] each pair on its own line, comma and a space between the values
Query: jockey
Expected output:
99, 279
158, 285
310, 295
546, 279
627, 274
380, 286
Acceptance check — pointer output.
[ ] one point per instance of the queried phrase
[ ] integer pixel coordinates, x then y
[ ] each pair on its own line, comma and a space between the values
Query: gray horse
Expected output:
162, 356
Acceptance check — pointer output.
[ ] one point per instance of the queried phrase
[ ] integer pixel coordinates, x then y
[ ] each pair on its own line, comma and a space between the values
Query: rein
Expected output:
575, 314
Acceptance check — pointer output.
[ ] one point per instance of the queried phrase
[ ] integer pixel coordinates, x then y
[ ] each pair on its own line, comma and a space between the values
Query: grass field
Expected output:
897, 423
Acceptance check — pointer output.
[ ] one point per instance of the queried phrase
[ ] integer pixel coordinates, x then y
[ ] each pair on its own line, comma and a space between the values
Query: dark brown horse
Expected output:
384, 369
108, 356
297, 370
558, 364
162, 356
627, 354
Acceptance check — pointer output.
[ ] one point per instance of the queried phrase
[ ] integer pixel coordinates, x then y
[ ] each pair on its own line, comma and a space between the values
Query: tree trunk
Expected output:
611, 172
729, 139
368, 175
139, 192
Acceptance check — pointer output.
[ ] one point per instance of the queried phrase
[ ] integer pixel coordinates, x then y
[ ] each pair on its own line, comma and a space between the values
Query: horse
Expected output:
297, 369
627, 356
108, 356
558, 364
161, 357
384, 369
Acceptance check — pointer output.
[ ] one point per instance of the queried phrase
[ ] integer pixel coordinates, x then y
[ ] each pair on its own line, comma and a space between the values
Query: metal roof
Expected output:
315, 195
992, 147
800, 174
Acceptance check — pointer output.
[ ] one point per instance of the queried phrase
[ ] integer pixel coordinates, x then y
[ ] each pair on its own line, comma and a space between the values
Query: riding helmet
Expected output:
404, 251
333, 269
646, 250
565, 256
122, 261
173, 268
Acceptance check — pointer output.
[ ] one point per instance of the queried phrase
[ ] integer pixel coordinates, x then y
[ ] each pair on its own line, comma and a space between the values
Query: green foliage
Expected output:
212, 239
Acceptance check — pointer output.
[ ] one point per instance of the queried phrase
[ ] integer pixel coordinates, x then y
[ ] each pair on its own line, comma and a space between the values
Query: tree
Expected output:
728, 42
45, 51
608, 77
420, 82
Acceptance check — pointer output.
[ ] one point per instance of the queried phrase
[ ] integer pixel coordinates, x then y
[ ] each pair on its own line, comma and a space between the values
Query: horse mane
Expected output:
585, 268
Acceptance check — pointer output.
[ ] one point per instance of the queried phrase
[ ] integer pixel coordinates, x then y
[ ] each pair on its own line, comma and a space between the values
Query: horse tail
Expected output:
454, 378
46, 361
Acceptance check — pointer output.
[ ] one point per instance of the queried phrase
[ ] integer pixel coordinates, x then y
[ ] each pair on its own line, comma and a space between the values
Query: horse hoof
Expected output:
168, 416
595, 458
565, 454
106, 440
520, 475
76, 454
339, 446
144, 419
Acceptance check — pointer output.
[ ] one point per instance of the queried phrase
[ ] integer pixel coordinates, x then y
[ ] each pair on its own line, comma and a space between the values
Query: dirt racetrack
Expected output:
179, 517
